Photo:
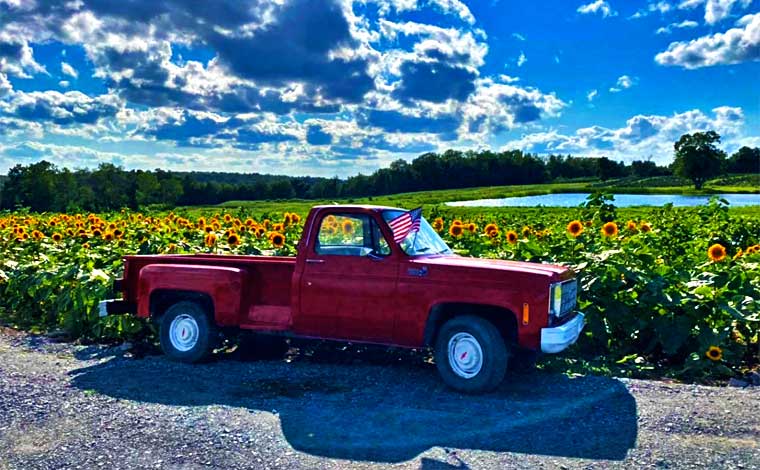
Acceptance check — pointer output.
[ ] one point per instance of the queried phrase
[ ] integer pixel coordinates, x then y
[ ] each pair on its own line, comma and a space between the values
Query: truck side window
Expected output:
380, 245
344, 235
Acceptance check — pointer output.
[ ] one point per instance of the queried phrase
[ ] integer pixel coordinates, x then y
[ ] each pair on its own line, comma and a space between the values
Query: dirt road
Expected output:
66, 406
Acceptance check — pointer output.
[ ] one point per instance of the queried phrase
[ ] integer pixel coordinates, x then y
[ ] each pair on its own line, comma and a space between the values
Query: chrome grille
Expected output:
569, 296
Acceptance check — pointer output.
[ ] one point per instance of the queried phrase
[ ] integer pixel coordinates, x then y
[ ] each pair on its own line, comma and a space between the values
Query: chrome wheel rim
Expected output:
465, 355
183, 332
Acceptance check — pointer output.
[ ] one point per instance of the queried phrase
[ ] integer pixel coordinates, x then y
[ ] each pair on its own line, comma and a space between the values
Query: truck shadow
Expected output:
389, 413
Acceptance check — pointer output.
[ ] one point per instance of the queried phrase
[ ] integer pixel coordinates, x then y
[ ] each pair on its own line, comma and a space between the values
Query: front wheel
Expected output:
187, 333
471, 354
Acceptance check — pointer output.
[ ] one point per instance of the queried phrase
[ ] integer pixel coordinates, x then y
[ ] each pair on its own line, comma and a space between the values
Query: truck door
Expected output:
349, 280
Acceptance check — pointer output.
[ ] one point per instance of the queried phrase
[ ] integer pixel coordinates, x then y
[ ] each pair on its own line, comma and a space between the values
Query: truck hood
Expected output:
481, 264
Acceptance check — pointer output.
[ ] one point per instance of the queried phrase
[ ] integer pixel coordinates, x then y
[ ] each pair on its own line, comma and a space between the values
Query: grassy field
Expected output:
659, 185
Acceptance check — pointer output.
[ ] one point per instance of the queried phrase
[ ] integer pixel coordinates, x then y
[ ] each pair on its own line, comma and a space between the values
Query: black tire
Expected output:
494, 354
207, 333
261, 347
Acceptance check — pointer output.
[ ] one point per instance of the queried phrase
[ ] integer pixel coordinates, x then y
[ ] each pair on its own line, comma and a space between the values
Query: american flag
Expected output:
405, 224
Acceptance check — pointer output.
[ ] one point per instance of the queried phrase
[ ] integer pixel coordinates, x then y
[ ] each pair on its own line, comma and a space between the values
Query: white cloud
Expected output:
662, 7
19, 59
522, 59
641, 137
690, 4
518, 36
67, 69
591, 95
623, 83
741, 44
496, 107
64, 83
455, 7
682, 25
717, 10
5, 85
599, 6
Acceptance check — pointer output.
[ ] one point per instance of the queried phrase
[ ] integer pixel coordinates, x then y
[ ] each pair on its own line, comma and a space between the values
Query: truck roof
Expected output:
360, 206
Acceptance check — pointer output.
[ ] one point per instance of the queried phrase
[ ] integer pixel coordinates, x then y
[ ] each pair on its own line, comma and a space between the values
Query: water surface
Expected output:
621, 200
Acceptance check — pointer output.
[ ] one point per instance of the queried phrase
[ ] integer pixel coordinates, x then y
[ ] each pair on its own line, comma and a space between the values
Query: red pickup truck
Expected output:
351, 282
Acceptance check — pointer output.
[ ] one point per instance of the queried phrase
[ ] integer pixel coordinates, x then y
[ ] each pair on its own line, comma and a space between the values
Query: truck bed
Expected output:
267, 299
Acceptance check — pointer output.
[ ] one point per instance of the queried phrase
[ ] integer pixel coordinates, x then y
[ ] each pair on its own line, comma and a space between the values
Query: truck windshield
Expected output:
424, 242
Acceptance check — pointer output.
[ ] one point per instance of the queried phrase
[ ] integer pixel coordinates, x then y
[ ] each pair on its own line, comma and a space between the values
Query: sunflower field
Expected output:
672, 292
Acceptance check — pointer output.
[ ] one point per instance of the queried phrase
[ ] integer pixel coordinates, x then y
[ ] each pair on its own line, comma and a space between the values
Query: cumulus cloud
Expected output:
63, 109
496, 107
642, 136
522, 59
717, 10
17, 57
67, 69
455, 7
623, 83
737, 45
599, 6
661, 7
232, 79
300, 42
591, 95
5, 85
672, 26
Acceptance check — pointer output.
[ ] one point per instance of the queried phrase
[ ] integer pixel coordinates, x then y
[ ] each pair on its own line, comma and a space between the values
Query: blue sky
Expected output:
341, 87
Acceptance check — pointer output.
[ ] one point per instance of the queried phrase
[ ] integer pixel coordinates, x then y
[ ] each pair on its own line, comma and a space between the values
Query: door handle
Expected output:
315, 261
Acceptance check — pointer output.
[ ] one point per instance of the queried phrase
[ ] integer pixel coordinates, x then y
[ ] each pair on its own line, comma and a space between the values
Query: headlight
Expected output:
555, 299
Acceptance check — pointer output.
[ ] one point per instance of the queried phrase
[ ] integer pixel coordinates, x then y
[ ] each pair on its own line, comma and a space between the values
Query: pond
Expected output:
621, 200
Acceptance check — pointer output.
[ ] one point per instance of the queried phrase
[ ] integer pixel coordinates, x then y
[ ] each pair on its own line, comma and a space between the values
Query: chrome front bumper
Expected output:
554, 340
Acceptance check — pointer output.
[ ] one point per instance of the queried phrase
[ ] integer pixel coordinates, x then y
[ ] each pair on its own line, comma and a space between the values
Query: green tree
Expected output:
697, 157
745, 160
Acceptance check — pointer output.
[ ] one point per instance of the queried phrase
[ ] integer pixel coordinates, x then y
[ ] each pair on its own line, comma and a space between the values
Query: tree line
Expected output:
42, 186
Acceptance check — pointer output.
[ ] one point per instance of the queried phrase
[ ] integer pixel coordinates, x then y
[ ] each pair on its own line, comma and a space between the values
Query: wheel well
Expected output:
162, 299
504, 319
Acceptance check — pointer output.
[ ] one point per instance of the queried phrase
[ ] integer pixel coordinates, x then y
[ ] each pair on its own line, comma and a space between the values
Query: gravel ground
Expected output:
67, 406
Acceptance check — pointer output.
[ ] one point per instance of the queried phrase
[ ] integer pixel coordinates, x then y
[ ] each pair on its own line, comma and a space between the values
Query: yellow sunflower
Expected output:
347, 227
277, 239
512, 237
57, 237
716, 252
233, 239
610, 229
438, 224
575, 228
456, 230
645, 227
210, 240
472, 228
631, 226
714, 353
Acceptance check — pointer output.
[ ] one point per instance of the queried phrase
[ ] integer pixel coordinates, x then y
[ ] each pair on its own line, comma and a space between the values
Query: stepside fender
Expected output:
224, 285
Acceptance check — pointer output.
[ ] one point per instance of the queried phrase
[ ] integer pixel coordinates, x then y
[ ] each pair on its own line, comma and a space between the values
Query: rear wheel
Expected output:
471, 354
187, 332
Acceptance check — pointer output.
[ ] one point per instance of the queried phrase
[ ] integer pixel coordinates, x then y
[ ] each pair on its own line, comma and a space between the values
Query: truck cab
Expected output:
350, 281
